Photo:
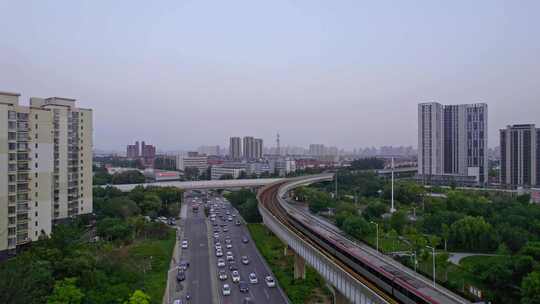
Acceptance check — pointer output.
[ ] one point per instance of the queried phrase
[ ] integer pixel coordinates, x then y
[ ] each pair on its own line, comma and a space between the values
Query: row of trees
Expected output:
245, 201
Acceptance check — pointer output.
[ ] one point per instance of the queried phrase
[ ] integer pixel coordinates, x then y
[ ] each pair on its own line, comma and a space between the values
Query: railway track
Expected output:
384, 278
268, 198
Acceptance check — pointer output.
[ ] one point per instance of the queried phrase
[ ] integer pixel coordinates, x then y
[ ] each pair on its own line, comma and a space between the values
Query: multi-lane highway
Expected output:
231, 235
197, 240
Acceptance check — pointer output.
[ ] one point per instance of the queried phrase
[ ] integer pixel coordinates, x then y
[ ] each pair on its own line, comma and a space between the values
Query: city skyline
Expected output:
340, 81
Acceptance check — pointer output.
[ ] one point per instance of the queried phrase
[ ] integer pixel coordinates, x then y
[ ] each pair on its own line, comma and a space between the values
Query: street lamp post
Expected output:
392, 209
377, 234
433, 258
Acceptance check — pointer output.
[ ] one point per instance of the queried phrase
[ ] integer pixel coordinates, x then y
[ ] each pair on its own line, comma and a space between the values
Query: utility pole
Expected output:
392, 209
335, 192
376, 235
433, 250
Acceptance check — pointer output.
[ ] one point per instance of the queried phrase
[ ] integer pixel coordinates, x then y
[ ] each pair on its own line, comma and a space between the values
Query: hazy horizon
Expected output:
181, 74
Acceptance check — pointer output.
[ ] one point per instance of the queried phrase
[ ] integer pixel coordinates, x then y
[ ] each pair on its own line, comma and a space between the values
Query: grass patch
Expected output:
150, 258
310, 290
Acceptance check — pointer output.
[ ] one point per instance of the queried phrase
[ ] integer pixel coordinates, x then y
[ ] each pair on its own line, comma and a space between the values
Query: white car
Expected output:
226, 289
219, 253
253, 278
235, 276
220, 263
184, 244
222, 275
229, 246
230, 256
216, 235
270, 281
245, 260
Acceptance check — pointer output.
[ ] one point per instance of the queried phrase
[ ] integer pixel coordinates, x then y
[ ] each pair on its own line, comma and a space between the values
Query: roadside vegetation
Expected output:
127, 263
310, 290
456, 221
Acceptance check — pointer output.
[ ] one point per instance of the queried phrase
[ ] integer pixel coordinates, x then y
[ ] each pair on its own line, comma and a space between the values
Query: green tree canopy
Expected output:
66, 292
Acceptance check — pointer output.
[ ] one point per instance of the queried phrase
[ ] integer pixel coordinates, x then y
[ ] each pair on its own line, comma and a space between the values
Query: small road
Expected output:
456, 257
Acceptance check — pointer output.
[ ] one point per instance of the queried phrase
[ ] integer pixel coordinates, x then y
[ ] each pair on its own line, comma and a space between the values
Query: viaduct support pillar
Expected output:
299, 267
338, 297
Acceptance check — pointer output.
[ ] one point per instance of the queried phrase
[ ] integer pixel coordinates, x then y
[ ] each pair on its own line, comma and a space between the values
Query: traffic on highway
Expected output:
215, 250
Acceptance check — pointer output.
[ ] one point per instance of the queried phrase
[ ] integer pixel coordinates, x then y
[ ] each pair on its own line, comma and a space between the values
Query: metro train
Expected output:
391, 284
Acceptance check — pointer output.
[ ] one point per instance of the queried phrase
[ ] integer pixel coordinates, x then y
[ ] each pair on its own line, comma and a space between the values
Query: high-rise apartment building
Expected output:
148, 154
248, 147
258, 148
452, 140
520, 155
45, 166
316, 149
235, 148
133, 151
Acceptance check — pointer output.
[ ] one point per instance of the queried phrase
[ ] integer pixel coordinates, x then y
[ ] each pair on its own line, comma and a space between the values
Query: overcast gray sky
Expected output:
347, 73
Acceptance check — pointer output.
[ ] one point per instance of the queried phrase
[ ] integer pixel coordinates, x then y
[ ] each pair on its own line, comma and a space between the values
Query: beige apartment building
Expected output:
45, 166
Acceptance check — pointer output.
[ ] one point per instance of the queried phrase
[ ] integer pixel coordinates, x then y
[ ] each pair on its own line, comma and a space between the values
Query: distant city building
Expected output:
165, 162
283, 166
133, 151
46, 160
192, 160
217, 172
235, 148
209, 150
520, 155
161, 175
148, 154
452, 140
316, 149
258, 149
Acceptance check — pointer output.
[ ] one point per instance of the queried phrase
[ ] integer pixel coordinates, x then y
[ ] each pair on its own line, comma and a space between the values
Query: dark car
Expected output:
243, 286
180, 276
245, 240
183, 265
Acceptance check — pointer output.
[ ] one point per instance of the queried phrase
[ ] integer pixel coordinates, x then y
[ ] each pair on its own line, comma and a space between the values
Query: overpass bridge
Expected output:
357, 273
204, 185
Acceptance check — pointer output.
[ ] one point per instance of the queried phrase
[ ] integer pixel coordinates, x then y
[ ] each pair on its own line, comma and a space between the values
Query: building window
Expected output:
12, 136
36, 164
12, 146
36, 185
36, 116
36, 145
36, 175
36, 126
36, 204
36, 223
36, 155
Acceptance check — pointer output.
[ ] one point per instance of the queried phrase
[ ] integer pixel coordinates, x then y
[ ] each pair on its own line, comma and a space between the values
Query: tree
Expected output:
471, 233
66, 292
151, 204
114, 229
399, 220
530, 288
138, 297
118, 207
356, 226
367, 164
374, 210
128, 177
191, 173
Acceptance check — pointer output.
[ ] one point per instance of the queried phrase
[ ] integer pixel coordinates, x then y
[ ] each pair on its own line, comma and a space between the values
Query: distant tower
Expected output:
278, 152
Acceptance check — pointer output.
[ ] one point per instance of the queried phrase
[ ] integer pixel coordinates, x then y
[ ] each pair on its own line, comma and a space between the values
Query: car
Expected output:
238, 223
243, 286
222, 275
245, 260
235, 276
248, 300
226, 290
245, 240
229, 246
232, 266
230, 257
230, 218
219, 253
253, 278
270, 282
180, 276
184, 244
227, 241
184, 265
221, 263
225, 229
216, 235
178, 301
218, 244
